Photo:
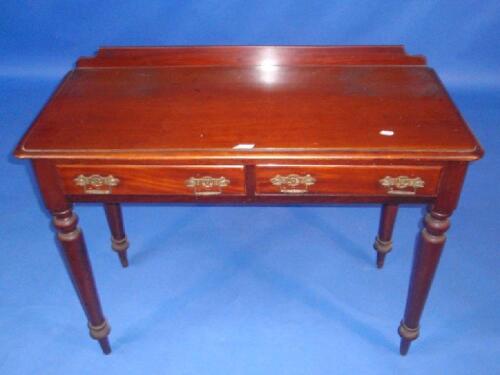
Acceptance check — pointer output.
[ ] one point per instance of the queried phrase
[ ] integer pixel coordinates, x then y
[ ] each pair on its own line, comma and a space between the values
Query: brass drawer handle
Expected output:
96, 184
207, 185
396, 185
293, 183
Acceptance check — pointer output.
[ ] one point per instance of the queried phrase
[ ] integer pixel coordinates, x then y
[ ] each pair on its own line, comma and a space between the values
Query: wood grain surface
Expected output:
208, 111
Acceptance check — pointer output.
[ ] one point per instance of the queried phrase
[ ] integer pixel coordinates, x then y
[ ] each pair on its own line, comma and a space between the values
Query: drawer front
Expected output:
204, 180
347, 180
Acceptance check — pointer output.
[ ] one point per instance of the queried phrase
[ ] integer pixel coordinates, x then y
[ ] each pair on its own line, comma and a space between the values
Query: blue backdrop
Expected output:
280, 290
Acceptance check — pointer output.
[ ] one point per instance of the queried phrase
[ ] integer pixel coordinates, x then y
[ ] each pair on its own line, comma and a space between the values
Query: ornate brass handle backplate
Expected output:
207, 185
402, 185
96, 184
293, 183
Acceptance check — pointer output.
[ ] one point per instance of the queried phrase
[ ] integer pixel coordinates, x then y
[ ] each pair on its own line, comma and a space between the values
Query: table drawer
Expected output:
196, 180
347, 180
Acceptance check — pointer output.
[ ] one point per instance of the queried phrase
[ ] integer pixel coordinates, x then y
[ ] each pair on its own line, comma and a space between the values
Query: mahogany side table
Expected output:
251, 125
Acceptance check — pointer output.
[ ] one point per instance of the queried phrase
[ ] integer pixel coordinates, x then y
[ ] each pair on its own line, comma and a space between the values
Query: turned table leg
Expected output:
425, 261
75, 255
383, 241
119, 242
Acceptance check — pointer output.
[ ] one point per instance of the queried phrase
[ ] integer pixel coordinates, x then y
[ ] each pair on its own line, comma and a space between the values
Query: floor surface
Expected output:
247, 290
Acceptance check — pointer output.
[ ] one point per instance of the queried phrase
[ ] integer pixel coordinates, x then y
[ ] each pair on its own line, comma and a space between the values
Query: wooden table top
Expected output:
246, 102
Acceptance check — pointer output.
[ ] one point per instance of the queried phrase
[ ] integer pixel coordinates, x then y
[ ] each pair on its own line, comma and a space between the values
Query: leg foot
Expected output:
105, 347
404, 346
119, 242
121, 246
383, 241
382, 248
100, 333
407, 336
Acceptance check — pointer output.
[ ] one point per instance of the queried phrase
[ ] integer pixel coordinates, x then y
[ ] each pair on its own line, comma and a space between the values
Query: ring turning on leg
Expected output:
407, 336
119, 242
383, 241
100, 333
382, 248
120, 246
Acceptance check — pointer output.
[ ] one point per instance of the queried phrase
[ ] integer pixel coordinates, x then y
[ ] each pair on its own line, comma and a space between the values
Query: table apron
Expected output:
249, 200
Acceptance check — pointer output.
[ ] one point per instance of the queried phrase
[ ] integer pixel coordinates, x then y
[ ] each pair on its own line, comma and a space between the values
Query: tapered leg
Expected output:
425, 261
383, 241
119, 241
77, 262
